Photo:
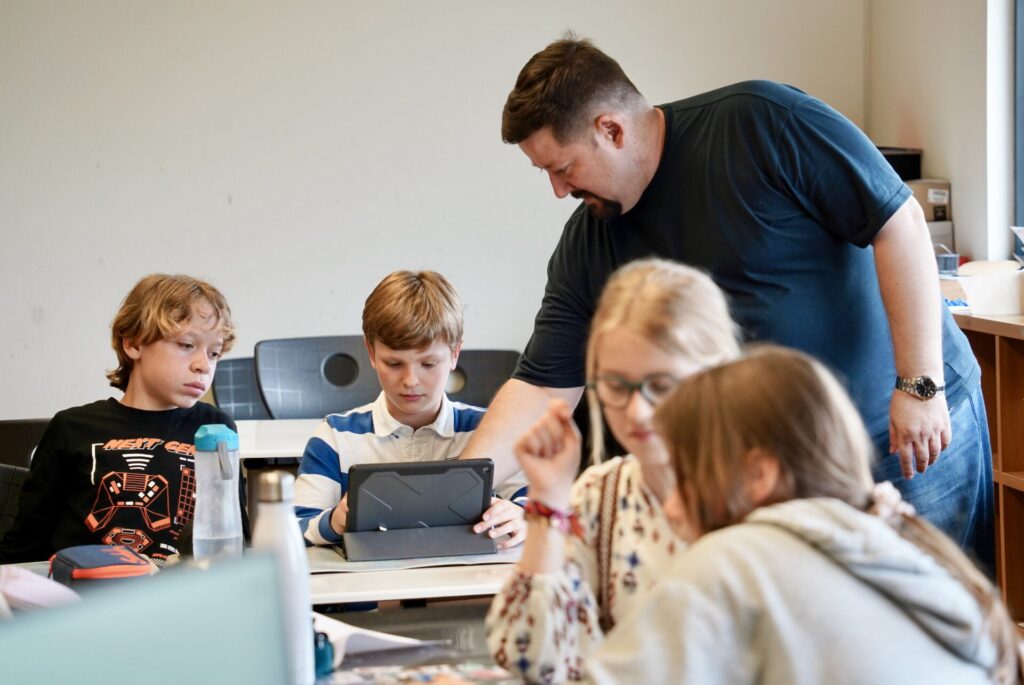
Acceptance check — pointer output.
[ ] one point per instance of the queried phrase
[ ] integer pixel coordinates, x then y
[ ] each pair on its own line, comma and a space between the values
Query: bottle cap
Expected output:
276, 486
210, 434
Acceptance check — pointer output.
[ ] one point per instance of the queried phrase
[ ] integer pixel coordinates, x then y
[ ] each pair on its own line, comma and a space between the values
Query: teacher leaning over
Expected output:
796, 215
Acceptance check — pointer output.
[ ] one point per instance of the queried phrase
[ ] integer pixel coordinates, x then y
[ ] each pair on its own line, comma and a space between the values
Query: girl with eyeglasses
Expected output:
596, 547
801, 569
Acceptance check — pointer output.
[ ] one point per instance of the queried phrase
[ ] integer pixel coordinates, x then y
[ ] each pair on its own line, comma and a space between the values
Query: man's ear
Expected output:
762, 476
611, 128
370, 351
133, 351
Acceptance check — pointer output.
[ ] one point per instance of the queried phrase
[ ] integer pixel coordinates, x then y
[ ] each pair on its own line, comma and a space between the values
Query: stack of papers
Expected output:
348, 639
23, 590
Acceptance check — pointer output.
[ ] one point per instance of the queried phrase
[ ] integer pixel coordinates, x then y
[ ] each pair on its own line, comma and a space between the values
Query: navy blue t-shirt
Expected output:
778, 197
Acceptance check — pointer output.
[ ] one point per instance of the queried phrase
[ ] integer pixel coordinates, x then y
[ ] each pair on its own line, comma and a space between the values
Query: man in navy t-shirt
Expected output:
818, 243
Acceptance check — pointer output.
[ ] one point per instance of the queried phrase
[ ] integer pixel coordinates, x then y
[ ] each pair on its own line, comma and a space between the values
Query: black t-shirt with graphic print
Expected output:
104, 473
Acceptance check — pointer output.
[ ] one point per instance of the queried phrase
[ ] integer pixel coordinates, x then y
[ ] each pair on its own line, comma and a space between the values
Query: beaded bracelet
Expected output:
565, 522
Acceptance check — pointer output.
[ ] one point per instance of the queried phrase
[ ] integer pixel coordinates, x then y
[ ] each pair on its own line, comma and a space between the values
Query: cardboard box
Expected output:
934, 196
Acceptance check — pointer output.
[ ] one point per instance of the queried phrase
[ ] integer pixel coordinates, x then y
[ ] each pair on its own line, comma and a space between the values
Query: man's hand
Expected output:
503, 517
340, 515
918, 431
549, 454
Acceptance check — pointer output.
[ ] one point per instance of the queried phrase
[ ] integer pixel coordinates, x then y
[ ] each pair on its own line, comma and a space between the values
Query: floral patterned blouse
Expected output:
542, 626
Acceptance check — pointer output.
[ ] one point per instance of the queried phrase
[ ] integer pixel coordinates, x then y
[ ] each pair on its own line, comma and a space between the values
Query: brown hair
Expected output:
675, 307
562, 87
158, 307
786, 404
410, 310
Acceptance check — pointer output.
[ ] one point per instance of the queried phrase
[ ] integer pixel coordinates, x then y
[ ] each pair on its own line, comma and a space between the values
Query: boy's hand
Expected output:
503, 517
549, 454
340, 515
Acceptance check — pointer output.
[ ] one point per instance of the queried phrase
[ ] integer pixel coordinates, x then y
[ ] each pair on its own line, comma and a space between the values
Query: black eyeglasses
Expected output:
614, 391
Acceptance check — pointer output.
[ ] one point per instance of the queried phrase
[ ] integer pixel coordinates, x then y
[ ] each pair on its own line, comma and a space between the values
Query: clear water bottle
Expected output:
277, 531
217, 526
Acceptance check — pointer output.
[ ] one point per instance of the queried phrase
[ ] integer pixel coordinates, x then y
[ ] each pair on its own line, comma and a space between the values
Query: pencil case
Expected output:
76, 565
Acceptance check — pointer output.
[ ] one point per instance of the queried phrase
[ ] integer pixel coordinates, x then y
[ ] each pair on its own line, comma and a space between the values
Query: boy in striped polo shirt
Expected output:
412, 325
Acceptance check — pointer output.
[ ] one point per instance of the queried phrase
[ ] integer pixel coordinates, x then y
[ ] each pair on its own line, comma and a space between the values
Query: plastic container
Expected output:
277, 531
217, 527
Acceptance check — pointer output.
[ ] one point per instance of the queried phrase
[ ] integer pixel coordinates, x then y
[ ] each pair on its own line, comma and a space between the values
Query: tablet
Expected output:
406, 510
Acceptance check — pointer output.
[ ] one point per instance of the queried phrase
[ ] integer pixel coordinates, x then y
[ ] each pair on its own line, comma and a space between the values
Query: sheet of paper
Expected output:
332, 560
348, 639
997, 293
24, 590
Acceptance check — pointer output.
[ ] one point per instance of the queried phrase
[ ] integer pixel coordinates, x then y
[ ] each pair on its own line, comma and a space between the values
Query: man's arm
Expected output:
908, 279
515, 408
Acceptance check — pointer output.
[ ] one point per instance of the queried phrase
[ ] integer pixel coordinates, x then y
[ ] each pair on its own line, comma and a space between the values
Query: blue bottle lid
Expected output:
210, 434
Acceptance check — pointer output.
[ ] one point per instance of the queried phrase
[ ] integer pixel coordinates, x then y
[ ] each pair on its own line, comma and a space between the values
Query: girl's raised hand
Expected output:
549, 454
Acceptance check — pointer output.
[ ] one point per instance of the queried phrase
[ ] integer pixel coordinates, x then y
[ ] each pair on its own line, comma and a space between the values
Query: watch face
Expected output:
925, 387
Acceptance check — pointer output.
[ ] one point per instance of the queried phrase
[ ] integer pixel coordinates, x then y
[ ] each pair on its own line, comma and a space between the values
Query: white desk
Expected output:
411, 583
377, 586
272, 439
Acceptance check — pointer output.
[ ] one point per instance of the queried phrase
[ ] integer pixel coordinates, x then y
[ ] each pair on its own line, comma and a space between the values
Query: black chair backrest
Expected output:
11, 480
236, 391
479, 374
308, 378
19, 438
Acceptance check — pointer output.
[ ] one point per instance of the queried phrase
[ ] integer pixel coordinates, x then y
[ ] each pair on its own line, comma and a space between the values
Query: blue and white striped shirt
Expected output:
370, 435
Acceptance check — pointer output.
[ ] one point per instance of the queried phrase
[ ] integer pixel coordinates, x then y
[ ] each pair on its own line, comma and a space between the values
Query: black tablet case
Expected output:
410, 510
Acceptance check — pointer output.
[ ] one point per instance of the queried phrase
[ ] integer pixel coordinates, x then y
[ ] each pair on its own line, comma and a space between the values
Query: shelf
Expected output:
1013, 480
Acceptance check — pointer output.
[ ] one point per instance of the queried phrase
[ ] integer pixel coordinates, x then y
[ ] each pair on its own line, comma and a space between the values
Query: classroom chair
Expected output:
236, 390
19, 438
479, 375
308, 378
11, 480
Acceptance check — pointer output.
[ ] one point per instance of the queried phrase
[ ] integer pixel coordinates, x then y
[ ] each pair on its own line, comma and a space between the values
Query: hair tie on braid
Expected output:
887, 503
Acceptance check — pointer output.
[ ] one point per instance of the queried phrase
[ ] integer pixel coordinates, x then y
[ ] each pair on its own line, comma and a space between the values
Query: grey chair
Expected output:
308, 378
236, 390
11, 480
479, 375
19, 438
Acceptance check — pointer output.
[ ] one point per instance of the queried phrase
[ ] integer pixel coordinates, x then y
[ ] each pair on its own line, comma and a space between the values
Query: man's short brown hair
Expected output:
561, 87
410, 310
158, 307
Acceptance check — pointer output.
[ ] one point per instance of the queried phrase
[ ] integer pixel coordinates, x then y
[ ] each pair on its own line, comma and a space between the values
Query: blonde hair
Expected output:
786, 404
410, 310
158, 307
675, 307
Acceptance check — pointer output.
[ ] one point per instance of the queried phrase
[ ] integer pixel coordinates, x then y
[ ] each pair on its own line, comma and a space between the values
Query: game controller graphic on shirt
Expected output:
129, 490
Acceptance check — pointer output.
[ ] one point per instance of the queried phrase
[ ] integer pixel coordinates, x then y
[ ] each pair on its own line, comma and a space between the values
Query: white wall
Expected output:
294, 153
940, 78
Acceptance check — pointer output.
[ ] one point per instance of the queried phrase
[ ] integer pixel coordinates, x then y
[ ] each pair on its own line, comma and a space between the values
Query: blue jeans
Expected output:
956, 493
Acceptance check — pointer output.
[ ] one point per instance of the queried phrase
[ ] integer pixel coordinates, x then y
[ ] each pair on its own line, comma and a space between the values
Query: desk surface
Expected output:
1010, 326
274, 439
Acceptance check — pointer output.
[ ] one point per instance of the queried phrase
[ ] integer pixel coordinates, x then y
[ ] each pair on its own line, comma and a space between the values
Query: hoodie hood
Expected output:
869, 549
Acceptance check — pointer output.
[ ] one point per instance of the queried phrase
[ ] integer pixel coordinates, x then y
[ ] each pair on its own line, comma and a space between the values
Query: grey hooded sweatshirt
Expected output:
807, 591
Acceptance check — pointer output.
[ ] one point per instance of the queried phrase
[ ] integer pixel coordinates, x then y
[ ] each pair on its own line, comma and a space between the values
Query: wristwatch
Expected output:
921, 387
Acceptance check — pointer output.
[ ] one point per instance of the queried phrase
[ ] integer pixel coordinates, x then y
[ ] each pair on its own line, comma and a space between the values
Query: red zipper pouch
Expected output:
74, 565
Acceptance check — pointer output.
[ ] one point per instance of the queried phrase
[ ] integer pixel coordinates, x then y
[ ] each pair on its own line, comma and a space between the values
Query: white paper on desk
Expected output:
332, 560
348, 639
25, 591
994, 294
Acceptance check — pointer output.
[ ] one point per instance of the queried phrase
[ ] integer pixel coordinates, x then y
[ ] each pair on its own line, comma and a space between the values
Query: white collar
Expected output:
384, 424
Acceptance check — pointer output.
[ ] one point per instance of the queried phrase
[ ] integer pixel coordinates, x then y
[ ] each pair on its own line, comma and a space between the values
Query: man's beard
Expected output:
603, 209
